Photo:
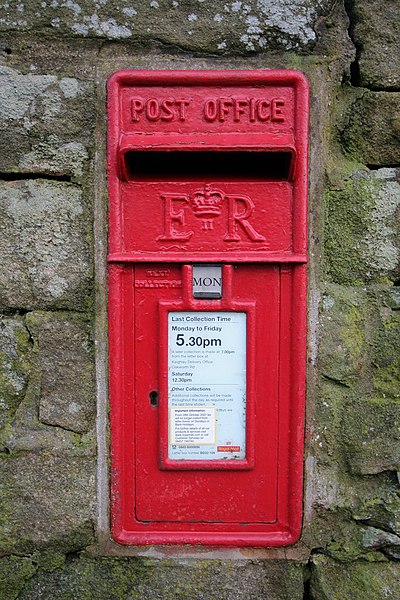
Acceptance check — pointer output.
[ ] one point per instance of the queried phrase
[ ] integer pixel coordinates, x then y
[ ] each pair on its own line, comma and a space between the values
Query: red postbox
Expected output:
207, 305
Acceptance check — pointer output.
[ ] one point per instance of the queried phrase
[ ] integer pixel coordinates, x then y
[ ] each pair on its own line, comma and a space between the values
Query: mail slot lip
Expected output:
209, 141
286, 257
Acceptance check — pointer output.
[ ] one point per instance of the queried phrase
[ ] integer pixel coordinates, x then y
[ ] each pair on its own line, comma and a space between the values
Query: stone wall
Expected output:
55, 57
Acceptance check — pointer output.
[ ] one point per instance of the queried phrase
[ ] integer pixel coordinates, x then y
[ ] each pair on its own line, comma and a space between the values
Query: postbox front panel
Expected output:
207, 271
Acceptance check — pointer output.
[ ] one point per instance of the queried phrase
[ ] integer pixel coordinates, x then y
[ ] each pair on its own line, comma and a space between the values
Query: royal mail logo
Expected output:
228, 448
208, 204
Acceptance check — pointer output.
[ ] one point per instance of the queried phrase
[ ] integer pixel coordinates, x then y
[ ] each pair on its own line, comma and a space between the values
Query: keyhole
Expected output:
153, 398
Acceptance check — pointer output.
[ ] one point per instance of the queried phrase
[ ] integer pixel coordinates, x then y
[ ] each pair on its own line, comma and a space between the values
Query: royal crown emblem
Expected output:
207, 204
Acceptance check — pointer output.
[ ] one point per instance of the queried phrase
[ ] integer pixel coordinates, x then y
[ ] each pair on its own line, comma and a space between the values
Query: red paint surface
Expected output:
246, 213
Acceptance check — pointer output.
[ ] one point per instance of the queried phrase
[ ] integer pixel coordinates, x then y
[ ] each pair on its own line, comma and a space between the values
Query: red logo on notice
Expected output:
228, 448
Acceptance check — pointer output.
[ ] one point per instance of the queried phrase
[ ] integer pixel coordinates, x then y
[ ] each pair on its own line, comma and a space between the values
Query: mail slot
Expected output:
207, 176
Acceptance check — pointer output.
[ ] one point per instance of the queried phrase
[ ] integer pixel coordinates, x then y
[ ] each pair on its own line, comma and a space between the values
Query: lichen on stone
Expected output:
15, 345
360, 228
15, 571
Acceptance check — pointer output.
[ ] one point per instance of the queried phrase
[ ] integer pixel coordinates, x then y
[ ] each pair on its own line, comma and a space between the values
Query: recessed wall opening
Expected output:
218, 165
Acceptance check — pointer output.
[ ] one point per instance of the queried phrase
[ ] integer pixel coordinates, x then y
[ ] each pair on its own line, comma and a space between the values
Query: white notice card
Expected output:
207, 385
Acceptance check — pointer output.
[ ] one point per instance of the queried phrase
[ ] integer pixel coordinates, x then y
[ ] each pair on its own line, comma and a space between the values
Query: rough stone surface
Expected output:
351, 542
385, 345
362, 580
371, 433
14, 572
208, 25
14, 365
363, 227
44, 245
372, 132
41, 55
376, 32
351, 351
65, 360
27, 434
134, 579
342, 356
46, 499
377, 538
46, 123
359, 359
356, 424
382, 513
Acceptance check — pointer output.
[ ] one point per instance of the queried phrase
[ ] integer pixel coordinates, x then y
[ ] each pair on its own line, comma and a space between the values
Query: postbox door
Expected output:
198, 494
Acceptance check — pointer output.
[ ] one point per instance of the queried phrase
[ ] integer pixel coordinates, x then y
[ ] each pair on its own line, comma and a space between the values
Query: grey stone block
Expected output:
362, 228
212, 26
372, 132
135, 579
46, 123
361, 580
382, 513
46, 500
385, 346
44, 249
377, 35
342, 348
14, 365
377, 538
65, 361
371, 435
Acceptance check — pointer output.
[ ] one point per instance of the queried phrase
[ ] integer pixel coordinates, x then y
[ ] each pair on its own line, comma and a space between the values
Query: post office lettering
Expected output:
157, 109
238, 110
213, 110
